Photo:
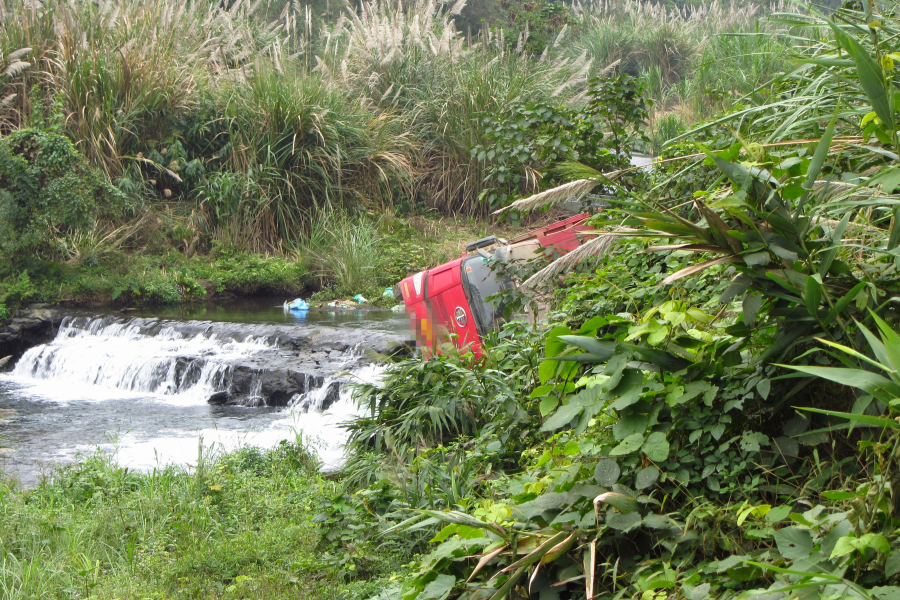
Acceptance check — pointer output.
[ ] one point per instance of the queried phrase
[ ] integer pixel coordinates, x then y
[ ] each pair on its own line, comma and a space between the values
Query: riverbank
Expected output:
142, 276
235, 526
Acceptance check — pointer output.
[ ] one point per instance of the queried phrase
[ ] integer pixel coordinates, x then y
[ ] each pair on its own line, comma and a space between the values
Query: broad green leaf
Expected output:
564, 415
656, 447
623, 521
630, 422
658, 336
629, 389
548, 403
794, 543
439, 589
778, 514
629, 445
698, 315
646, 477
892, 564
752, 440
848, 544
607, 472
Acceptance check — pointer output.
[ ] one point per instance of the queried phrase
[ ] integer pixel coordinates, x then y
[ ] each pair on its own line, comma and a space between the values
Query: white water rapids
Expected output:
107, 384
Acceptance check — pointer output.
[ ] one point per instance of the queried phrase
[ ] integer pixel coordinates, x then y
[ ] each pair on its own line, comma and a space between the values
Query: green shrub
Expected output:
17, 290
46, 190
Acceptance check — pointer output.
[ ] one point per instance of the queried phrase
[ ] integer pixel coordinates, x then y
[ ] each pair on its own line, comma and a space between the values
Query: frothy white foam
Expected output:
319, 429
117, 356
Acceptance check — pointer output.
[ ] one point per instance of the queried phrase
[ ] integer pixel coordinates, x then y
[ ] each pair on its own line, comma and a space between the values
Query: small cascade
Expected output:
320, 398
120, 355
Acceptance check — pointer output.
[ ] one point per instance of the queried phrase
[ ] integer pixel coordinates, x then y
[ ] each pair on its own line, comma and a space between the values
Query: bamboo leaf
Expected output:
844, 302
830, 254
813, 294
687, 271
538, 553
482, 563
868, 419
870, 76
592, 345
871, 383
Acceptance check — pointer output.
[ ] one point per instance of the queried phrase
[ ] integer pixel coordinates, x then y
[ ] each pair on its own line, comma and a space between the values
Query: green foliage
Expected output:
534, 24
236, 525
538, 137
17, 290
47, 188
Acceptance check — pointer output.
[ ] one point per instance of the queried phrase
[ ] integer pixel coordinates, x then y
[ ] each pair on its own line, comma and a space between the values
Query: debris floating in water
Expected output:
296, 304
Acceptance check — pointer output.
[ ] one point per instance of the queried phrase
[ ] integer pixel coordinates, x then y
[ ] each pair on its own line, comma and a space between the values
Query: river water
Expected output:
106, 386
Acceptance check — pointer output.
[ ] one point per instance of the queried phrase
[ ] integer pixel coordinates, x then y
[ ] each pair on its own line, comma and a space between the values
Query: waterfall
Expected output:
119, 355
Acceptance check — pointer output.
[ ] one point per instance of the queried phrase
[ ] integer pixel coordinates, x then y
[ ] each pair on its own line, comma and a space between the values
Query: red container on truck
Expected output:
449, 303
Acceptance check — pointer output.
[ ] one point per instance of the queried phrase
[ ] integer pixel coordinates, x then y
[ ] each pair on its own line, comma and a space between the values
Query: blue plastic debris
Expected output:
297, 304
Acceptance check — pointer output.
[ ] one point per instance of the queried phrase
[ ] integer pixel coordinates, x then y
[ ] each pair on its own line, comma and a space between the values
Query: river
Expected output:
139, 385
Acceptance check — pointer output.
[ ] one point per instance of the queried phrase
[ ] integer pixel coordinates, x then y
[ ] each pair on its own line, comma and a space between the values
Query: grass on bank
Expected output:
348, 255
235, 526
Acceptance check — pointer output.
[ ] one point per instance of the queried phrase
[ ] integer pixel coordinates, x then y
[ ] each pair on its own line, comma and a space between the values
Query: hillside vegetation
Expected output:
168, 137
710, 409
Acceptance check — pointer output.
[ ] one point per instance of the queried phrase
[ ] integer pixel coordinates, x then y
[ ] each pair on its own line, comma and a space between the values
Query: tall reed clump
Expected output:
689, 56
343, 248
413, 60
306, 141
125, 71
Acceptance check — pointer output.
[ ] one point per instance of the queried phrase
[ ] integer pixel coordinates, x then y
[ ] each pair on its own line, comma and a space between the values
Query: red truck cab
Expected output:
450, 302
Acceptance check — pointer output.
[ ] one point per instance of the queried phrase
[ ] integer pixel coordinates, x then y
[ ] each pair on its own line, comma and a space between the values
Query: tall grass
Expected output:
278, 112
415, 62
344, 249
306, 141
693, 60
98, 530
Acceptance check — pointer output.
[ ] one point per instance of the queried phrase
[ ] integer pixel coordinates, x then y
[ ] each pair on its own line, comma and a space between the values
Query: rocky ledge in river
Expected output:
27, 328
289, 364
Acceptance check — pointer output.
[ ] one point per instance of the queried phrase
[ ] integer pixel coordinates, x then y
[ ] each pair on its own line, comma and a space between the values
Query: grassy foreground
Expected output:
236, 526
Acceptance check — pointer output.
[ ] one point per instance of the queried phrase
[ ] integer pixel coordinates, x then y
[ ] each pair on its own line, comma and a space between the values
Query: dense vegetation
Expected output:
318, 135
710, 410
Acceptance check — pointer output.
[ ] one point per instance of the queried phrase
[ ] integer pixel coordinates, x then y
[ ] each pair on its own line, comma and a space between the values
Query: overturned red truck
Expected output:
449, 303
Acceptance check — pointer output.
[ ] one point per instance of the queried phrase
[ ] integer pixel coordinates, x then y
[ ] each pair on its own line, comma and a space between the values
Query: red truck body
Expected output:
449, 302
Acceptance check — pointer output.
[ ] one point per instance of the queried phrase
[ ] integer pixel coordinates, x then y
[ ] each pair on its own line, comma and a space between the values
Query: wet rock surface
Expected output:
289, 364
27, 328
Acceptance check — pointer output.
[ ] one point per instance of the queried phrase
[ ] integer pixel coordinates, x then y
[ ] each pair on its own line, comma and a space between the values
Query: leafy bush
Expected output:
17, 290
46, 189
537, 138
